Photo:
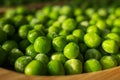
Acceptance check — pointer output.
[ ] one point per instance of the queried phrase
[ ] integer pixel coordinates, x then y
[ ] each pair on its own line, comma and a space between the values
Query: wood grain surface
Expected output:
109, 74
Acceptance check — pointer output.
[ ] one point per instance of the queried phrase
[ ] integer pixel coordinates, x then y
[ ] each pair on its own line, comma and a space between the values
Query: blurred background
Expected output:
72, 2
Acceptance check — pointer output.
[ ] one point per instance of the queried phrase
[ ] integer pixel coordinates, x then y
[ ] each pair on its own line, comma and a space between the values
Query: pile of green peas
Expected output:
60, 40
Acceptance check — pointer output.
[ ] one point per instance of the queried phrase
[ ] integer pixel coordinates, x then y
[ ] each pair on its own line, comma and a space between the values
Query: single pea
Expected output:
23, 31
73, 66
101, 25
55, 67
54, 15
77, 11
69, 24
84, 23
109, 22
89, 11
30, 51
42, 57
80, 18
110, 46
71, 50
93, 53
21, 63
9, 29
59, 56
72, 38
32, 35
108, 62
95, 16
56, 8
35, 67
14, 54
9, 45
102, 12
66, 10
42, 44
92, 22
92, 39
93, 28
92, 65
3, 36
47, 9
29, 17
59, 43
41, 16
79, 33
3, 56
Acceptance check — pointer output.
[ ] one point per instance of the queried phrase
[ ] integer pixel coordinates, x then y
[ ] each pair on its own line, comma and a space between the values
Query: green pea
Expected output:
79, 34
66, 10
71, 50
92, 65
92, 39
59, 43
93, 53
55, 67
23, 31
42, 44
30, 51
108, 62
110, 46
9, 29
69, 24
73, 66
35, 68
93, 29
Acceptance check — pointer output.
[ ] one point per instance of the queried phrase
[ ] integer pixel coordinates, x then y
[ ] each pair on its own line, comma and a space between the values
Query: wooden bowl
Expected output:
109, 74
